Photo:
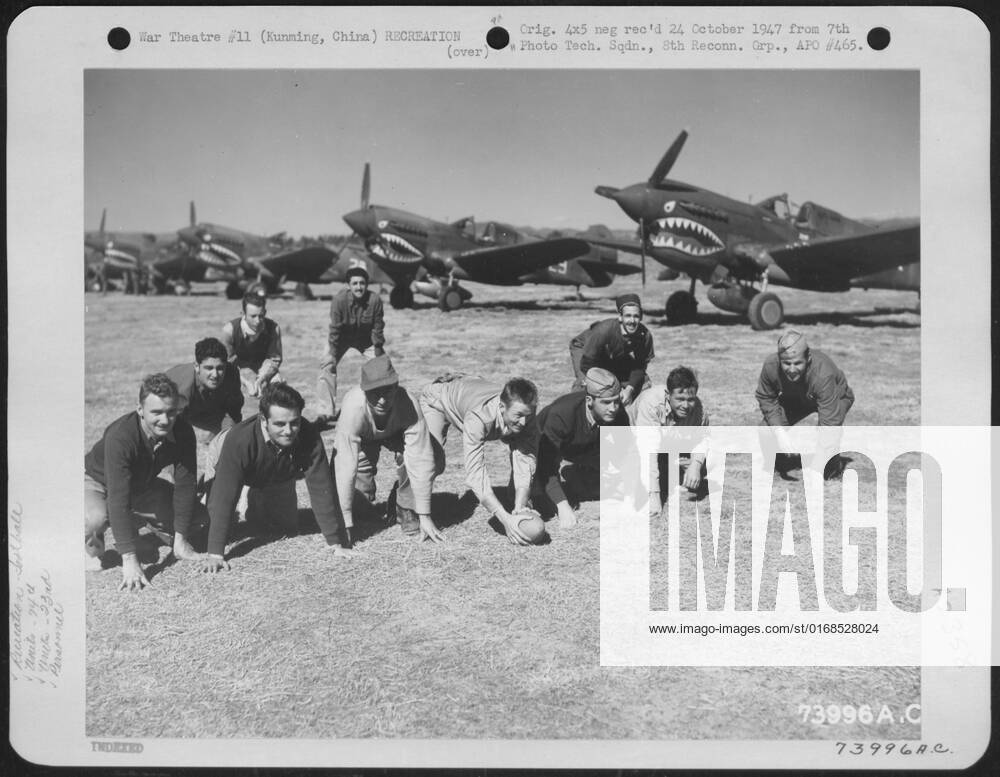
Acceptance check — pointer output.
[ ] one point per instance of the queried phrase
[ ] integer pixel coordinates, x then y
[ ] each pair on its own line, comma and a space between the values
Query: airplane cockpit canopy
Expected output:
778, 205
500, 234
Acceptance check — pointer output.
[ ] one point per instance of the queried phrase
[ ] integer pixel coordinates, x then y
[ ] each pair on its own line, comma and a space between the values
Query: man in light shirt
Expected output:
253, 342
483, 413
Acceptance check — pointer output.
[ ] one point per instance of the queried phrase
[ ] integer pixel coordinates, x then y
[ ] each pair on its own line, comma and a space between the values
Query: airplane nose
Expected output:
632, 200
361, 221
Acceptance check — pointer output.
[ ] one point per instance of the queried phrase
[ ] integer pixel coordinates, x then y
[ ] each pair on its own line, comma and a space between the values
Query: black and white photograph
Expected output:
345, 339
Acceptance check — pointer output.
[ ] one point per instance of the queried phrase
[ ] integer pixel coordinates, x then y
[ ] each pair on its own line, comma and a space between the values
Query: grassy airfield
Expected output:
474, 637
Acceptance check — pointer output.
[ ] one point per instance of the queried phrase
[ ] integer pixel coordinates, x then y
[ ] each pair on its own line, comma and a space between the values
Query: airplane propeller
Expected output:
642, 246
661, 170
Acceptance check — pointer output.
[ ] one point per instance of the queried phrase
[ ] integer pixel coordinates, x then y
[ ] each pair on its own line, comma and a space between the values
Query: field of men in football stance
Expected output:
412, 617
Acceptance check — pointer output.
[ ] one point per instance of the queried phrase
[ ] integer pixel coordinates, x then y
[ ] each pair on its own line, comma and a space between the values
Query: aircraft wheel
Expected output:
159, 286
303, 292
233, 290
682, 308
766, 311
397, 297
94, 281
450, 299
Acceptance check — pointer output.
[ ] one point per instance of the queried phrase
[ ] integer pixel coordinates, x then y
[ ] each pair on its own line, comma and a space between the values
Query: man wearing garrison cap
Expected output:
570, 432
798, 381
622, 346
382, 414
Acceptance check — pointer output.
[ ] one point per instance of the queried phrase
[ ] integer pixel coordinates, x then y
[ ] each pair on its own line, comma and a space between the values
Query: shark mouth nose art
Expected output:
396, 249
218, 255
688, 237
116, 257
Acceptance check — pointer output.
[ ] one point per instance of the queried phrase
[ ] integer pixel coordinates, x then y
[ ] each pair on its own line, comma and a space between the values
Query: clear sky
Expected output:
284, 150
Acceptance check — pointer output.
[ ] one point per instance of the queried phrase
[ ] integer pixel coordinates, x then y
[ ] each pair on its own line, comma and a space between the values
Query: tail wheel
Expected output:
450, 299
766, 311
681, 308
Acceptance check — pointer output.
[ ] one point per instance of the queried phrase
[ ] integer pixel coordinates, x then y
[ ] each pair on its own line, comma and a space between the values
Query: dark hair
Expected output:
682, 378
158, 384
519, 389
282, 395
255, 295
209, 348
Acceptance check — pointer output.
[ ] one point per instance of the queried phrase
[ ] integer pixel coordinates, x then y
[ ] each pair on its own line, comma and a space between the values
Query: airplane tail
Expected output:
366, 184
192, 214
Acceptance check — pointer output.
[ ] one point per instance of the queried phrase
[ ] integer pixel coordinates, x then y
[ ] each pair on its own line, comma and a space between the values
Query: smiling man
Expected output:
121, 487
253, 342
210, 393
482, 413
571, 432
357, 320
623, 346
268, 452
797, 382
382, 414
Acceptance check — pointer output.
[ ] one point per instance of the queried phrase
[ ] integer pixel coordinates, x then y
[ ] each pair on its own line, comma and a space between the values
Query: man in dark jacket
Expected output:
268, 452
571, 431
121, 487
623, 346
357, 320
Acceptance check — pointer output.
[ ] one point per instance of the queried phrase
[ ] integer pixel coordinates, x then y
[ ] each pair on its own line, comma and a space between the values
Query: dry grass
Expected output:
475, 637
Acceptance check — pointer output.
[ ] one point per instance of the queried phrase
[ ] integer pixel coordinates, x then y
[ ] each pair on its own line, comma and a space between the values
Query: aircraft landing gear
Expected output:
303, 292
450, 299
401, 296
681, 308
766, 311
182, 289
233, 290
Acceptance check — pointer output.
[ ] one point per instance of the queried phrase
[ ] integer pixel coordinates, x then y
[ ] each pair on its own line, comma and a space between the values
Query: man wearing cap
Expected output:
253, 342
623, 346
209, 393
268, 452
121, 487
382, 414
483, 413
357, 320
571, 432
797, 381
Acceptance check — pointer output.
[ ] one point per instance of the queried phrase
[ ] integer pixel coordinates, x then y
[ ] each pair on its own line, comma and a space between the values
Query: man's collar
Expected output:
587, 414
150, 440
501, 424
247, 331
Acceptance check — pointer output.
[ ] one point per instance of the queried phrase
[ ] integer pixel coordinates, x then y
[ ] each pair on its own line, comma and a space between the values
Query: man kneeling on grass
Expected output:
571, 431
675, 404
382, 414
482, 412
120, 483
267, 452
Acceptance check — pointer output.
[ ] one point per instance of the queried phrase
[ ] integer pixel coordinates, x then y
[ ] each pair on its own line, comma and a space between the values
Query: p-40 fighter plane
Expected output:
740, 249
129, 256
217, 253
434, 256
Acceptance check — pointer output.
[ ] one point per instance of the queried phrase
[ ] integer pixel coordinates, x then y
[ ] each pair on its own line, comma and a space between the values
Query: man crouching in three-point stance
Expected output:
267, 452
120, 483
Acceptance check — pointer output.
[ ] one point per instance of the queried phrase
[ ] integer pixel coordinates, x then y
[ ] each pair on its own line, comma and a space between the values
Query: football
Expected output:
531, 525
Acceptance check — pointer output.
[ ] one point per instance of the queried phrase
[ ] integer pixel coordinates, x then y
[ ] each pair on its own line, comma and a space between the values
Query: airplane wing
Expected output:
506, 264
833, 262
303, 265
632, 247
612, 268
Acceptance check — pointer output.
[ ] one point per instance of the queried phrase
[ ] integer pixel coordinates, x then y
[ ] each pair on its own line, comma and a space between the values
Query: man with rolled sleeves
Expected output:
357, 320
570, 431
675, 404
623, 346
209, 394
253, 342
483, 413
121, 484
382, 414
268, 452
